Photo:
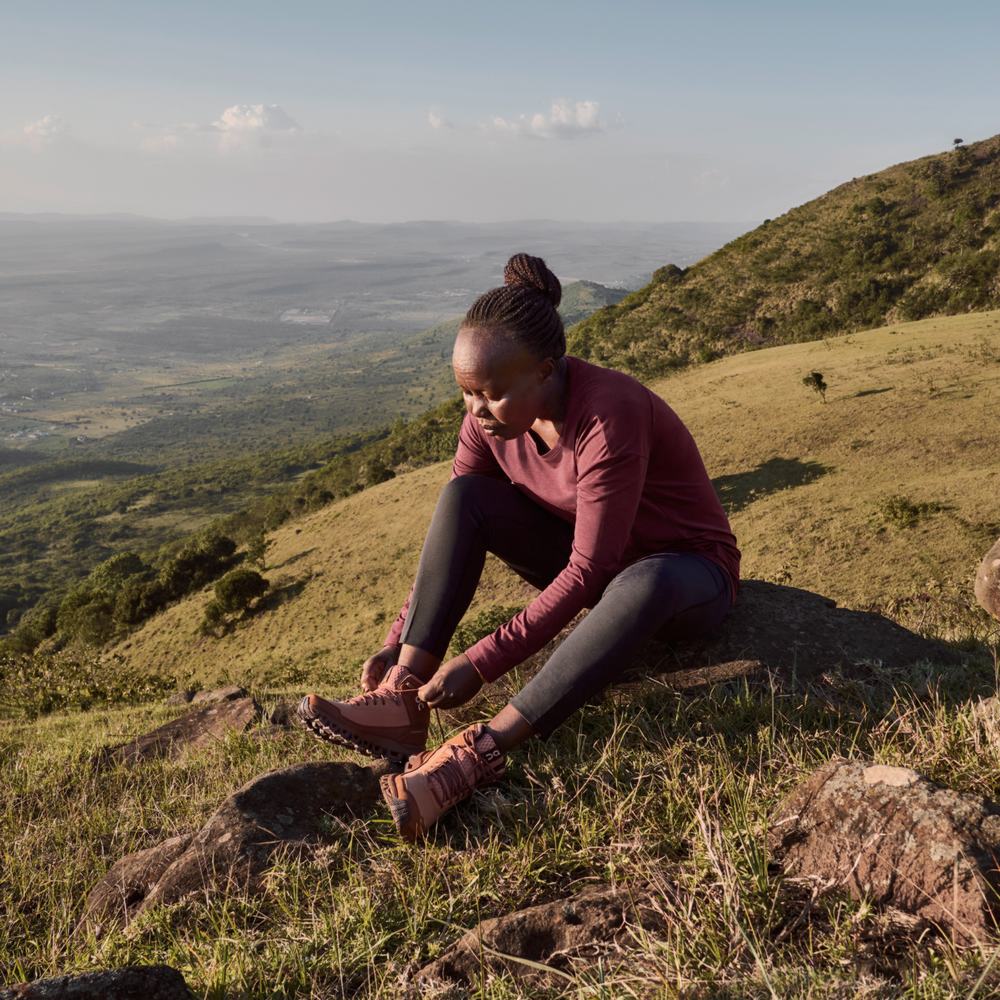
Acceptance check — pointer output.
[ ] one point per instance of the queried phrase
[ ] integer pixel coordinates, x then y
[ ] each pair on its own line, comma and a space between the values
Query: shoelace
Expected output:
378, 696
449, 779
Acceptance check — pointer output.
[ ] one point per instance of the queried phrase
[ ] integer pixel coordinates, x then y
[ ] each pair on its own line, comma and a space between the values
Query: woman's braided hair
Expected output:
523, 308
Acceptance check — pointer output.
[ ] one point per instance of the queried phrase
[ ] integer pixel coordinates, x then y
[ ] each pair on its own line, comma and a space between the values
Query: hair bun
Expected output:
531, 272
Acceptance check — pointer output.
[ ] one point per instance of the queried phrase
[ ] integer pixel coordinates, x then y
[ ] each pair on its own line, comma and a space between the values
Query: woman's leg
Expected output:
669, 594
475, 515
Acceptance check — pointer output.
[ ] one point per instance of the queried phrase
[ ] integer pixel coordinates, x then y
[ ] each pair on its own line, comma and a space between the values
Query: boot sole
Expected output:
402, 814
337, 735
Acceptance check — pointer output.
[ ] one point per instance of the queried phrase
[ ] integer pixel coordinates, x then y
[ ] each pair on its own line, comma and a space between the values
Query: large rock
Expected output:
133, 982
196, 728
288, 811
795, 632
578, 928
988, 581
898, 839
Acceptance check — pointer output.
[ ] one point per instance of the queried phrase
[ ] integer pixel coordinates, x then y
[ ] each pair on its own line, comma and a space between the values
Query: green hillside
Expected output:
917, 239
881, 494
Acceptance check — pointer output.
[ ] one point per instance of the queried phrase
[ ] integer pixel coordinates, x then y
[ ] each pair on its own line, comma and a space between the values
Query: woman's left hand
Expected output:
453, 683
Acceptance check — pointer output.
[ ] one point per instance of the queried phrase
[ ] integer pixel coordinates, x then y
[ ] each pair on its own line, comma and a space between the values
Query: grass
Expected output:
802, 482
651, 786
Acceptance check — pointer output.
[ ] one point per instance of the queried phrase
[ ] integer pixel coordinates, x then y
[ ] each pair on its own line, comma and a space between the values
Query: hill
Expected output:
917, 239
882, 493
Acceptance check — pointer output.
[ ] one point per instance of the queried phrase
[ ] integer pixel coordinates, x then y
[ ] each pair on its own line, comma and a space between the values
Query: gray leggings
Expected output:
667, 595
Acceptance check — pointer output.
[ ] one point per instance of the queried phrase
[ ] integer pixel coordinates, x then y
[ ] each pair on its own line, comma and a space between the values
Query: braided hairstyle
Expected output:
523, 309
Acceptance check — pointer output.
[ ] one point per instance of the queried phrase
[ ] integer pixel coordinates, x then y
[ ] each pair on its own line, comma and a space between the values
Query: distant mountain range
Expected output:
917, 239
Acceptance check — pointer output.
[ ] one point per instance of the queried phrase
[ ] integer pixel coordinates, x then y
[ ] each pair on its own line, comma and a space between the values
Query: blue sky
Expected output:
384, 111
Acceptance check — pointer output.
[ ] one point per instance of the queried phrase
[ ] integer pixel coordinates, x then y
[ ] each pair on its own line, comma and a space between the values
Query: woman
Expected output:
586, 484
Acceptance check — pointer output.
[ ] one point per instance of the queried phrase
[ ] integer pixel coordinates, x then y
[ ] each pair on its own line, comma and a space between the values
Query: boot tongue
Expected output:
401, 679
486, 747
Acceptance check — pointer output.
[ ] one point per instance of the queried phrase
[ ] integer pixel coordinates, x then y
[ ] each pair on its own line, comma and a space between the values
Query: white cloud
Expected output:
565, 120
243, 124
438, 121
45, 130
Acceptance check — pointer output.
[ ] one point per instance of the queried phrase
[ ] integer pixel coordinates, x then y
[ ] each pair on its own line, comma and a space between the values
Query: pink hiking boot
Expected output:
387, 722
435, 780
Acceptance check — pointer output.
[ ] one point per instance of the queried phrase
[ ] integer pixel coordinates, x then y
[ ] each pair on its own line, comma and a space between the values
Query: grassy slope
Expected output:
916, 239
909, 412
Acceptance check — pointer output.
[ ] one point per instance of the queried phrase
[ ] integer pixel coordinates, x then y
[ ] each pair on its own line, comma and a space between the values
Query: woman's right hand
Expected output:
376, 666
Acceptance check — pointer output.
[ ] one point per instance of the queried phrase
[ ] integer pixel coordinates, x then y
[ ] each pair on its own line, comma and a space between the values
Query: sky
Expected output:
384, 111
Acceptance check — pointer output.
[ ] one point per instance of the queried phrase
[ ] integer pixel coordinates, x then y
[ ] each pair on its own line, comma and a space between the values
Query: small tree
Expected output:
257, 549
234, 593
814, 381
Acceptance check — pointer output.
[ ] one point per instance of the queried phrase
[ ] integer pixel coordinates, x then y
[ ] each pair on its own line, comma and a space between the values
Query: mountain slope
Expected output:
918, 239
884, 491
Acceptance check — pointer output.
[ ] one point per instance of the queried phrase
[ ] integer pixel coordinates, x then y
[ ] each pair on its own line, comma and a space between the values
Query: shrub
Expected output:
37, 684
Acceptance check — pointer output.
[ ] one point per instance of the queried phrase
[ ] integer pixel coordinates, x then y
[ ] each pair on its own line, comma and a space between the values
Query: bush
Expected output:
234, 593
37, 684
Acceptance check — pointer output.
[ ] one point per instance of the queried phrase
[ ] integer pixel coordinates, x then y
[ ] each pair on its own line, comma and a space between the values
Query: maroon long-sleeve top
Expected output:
626, 472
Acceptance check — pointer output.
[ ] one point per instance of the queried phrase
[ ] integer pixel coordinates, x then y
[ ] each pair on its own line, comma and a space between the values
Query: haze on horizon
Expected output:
637, 111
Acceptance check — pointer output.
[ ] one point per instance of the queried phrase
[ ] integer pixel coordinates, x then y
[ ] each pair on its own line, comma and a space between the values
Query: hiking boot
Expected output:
437, 779
387, 722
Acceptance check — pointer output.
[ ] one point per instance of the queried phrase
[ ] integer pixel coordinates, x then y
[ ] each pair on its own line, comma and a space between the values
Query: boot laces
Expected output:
449, 778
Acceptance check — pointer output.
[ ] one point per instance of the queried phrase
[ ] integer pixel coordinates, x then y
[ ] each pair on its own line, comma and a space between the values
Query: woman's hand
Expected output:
454, 683
375, 667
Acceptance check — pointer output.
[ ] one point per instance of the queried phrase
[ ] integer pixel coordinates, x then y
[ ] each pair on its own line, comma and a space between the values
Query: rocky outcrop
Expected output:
195, 729
578, 928
988, 581
794, 632
133, 982
288, 811
889, 835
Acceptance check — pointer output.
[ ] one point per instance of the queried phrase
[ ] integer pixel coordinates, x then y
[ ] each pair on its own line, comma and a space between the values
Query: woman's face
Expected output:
502, 385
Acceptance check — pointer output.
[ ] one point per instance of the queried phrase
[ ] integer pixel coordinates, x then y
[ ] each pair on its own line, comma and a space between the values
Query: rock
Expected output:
283, 714
197, 728
988, 581
133, 982
128, 882
892, 836
231, 693
581, 926
795, 632
286, 811
181, 697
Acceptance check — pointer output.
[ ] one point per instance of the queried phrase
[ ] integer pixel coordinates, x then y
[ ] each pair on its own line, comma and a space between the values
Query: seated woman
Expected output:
587, 485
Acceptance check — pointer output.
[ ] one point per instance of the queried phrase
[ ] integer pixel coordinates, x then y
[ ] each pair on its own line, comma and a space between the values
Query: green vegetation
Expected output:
902, 512
72, 680
470, 631
917, 239
234, 594
650, 785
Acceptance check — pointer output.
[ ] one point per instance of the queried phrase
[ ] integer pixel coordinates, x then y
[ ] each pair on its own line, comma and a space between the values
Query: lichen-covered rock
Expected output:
288, 811
196, 728
794, 632
127, 884
892, 836
578, 928
133, 982
988, 581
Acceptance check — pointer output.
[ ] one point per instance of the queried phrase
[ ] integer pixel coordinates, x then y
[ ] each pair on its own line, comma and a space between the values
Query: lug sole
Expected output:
406, 826
337, 735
